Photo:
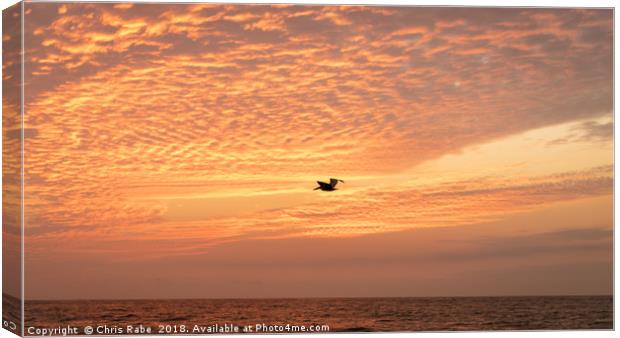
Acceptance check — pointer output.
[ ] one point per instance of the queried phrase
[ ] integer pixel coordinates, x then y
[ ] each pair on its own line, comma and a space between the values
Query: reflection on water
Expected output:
341, 314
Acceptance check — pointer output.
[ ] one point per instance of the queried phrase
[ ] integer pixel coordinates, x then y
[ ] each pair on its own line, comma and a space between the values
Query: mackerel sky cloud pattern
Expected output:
208, 124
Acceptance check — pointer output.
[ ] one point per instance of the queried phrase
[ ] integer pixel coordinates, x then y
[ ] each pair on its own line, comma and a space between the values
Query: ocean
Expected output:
322, 314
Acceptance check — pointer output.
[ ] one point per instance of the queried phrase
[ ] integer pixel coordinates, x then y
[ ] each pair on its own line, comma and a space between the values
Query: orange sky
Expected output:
178, 146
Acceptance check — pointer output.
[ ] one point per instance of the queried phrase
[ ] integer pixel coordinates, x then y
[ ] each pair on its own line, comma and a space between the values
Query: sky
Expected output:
171, 151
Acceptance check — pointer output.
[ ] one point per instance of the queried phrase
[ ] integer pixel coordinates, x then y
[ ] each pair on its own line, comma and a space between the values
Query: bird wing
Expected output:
333, 182
323, 184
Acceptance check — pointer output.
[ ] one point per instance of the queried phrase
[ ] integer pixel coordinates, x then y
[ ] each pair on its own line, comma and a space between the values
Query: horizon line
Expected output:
305, 297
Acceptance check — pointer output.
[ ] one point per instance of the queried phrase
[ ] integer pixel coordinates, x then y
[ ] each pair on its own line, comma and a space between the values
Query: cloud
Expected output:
512, 258
160, 97
598, 131
556, 242
588, 131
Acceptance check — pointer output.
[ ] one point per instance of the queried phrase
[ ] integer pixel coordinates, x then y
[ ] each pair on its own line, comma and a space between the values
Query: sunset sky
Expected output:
171, 151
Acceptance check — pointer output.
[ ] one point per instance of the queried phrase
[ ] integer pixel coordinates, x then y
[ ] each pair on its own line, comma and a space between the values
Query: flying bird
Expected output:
331, 186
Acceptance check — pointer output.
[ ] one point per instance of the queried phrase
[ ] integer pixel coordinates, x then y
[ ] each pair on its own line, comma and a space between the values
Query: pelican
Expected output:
331, 186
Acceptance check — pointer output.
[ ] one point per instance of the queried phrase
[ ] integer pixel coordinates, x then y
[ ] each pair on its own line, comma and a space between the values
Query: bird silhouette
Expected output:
331, 186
